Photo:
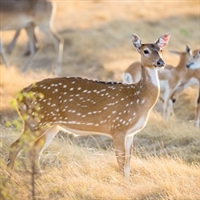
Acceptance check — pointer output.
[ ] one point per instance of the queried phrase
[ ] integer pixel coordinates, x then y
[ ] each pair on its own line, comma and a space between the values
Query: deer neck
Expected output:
145, 96
150, 77
193, 73
181, 67
150, 84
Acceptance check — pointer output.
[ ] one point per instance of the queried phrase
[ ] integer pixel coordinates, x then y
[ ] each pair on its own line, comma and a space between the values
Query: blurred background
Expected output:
98, 33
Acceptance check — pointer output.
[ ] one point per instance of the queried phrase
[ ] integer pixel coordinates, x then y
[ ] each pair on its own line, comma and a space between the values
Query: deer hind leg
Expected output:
41, 144
57, 42
16, 147
123, 146
15, 150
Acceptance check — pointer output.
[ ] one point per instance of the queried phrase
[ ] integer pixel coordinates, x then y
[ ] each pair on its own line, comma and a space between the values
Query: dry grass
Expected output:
166, 155
73, 172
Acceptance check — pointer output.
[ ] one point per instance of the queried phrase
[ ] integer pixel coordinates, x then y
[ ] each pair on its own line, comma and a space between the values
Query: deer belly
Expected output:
83, 132
140, 124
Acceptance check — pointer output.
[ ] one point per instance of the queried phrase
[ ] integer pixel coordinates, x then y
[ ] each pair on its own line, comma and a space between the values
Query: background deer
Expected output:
84, 106
192, 78
3, 55
170, 78
17, 14
32, 46
132, 73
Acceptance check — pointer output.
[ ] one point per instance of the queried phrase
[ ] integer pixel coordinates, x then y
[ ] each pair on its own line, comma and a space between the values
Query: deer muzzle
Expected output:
160, 63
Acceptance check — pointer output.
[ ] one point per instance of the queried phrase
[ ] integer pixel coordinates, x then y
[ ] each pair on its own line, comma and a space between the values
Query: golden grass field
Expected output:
166, 155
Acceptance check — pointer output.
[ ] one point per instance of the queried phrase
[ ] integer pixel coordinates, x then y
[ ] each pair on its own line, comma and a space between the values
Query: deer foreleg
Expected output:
122, 146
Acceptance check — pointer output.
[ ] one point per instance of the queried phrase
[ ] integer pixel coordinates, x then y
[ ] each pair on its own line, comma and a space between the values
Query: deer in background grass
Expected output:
84, 106
192, 78
170, 78
18, 14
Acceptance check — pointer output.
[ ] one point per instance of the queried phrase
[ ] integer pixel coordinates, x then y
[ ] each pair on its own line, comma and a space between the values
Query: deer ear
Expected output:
163, 40
187, 49
136, 41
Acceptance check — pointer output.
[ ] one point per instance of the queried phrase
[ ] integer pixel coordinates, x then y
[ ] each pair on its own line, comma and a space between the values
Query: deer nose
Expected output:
160, 63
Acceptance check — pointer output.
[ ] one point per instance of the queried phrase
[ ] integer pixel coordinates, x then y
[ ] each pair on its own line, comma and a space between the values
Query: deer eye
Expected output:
146, 51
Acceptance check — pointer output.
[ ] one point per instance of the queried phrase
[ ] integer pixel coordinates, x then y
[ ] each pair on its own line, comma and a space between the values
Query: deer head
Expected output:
148, 51
185, 57
195, 64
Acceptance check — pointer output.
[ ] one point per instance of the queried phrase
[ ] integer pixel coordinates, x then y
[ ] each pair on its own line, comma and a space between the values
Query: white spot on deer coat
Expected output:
143, 101
138, 92
89, 124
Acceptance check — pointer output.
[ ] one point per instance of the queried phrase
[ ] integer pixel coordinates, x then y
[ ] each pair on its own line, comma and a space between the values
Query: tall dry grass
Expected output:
166, 155
73, 172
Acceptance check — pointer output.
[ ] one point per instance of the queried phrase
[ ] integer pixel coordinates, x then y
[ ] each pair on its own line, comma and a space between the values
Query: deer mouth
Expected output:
159, 66
188, 65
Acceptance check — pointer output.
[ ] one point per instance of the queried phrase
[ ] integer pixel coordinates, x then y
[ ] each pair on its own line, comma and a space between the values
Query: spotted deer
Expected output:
18, 14
170, 78
192, 78
84, 106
